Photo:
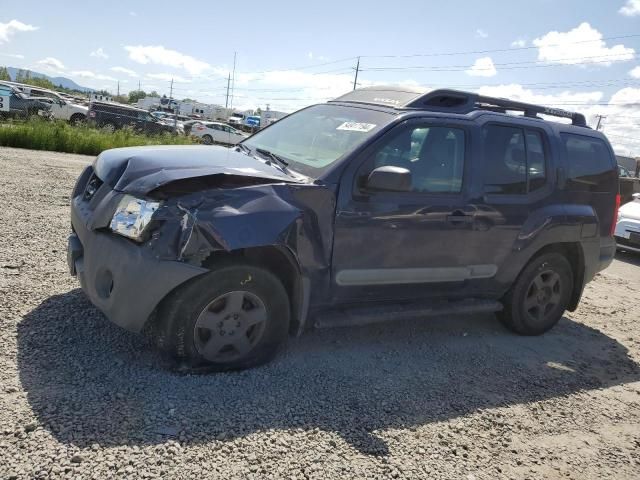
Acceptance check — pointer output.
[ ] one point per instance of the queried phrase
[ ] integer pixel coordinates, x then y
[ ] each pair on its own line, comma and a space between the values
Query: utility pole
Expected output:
118, 89
175, 115
226, 102
600, 118
355, 80
139, 89
233, 83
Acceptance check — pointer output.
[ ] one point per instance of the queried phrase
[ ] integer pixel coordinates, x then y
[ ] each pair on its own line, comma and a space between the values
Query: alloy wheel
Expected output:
230, 326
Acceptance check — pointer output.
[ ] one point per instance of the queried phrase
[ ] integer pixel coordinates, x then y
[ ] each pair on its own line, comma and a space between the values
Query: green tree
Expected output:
135, 95
39, 82
4, 74
153, 94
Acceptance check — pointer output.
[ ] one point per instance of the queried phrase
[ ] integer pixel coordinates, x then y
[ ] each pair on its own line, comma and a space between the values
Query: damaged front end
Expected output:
149, 226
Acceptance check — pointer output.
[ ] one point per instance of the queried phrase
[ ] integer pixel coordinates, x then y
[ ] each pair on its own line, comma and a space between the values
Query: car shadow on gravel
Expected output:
631, 258
90, 382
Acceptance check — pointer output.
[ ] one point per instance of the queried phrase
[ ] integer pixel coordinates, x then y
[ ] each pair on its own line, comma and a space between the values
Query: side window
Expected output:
515, 161
591, 168
536, 163
434, 156
505, 169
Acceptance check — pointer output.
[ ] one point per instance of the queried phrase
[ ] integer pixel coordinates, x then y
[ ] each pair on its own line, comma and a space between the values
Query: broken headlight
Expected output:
132, 217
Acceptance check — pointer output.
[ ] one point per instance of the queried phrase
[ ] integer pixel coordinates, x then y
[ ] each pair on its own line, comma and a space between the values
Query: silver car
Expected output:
215, 132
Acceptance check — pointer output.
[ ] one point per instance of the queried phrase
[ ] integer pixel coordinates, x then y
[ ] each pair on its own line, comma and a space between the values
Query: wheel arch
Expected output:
574, 253
283, 264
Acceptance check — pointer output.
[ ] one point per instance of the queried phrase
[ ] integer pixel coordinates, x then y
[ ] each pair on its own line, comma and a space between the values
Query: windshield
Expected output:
312, 139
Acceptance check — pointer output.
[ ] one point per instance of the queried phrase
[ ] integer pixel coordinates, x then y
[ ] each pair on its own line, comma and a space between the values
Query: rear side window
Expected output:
515, 160
591, 167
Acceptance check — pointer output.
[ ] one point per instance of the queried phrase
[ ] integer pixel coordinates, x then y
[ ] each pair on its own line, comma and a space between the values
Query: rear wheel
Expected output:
232, 318
540, 295
207, 139
109, 127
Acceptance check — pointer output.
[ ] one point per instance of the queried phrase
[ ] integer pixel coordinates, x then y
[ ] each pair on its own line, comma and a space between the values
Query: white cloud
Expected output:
133, 14
519, 43
7, 30
167, 77
51, 63
481, 33
515, 91
99, 53
159, 55
482, 67
580, 46
92, 75
13, 55
126, 71
635, 73
630, 9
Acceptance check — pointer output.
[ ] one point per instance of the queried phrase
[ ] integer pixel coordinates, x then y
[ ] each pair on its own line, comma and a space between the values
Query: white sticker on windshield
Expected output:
357, 127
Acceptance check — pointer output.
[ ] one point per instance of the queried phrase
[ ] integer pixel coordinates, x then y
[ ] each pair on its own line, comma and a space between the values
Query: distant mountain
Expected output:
62, 81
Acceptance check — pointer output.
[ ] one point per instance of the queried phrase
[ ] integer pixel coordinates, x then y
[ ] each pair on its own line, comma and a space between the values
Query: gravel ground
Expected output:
443, 398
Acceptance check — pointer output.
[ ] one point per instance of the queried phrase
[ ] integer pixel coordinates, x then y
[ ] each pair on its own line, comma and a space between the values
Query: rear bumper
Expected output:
119, 276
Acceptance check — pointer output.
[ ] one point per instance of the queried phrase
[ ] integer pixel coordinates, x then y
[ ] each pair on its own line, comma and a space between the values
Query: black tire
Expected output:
540, 295
77, 119
108, 127
179, 324
207, 139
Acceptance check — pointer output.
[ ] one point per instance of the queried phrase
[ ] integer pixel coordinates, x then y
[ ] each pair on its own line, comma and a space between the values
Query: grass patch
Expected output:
59, 136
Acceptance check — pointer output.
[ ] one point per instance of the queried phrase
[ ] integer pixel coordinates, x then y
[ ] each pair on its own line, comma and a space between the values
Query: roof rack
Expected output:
452, 101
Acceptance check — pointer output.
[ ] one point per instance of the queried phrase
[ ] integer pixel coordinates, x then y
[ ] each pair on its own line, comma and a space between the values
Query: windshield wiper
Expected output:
273, 156
244, 148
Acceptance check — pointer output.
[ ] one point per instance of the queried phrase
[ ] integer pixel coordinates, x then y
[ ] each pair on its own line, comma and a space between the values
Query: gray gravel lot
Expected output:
440, 398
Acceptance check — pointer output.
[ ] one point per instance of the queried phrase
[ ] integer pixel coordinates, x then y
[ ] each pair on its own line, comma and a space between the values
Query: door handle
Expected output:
458, 216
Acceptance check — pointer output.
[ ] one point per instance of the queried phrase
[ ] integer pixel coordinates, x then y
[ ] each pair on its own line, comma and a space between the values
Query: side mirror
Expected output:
389, 178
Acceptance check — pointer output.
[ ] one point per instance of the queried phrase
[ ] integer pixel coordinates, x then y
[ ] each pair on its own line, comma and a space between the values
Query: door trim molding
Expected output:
398, 276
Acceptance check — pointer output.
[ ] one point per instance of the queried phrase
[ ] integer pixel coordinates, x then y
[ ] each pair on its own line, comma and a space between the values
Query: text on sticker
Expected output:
357, 127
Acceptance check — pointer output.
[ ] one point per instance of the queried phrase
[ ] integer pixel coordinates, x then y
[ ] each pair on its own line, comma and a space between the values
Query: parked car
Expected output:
15, 104
237, 119
112, 116
61, 108
215, 132
627, 231
187, 125
382, 204
628, 185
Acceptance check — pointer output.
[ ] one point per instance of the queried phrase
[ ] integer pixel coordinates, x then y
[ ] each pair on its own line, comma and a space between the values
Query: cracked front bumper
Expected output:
120, 277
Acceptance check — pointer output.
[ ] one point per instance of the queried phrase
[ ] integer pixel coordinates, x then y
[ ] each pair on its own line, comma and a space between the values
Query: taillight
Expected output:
615, 215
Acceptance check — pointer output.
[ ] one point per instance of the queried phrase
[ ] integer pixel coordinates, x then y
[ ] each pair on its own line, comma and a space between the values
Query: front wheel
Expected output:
232, 318
207, 139
540, 295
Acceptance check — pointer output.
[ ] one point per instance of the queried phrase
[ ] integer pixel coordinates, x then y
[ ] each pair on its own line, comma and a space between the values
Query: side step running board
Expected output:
350, 317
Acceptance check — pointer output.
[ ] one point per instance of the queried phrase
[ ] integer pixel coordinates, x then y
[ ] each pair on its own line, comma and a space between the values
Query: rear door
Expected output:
514, 183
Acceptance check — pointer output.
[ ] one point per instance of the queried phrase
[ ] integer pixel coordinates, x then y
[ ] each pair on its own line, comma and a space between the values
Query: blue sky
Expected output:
580, 55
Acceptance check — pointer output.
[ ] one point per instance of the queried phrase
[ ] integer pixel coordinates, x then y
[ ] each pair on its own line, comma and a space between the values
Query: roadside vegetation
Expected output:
58, 136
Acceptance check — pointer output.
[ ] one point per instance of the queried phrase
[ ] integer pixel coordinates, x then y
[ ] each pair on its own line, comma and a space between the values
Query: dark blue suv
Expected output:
383, 204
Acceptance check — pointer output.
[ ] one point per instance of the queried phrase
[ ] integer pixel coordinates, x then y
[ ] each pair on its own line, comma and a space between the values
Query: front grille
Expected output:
92, 187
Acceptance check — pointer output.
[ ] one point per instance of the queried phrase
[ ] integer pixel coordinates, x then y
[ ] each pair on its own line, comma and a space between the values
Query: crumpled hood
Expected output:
139, 170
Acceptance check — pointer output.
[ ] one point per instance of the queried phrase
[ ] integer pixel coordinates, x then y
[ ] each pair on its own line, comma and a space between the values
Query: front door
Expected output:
413, 244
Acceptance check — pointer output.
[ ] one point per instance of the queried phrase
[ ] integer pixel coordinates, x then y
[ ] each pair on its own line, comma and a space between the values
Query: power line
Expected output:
529, 64
496, 50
